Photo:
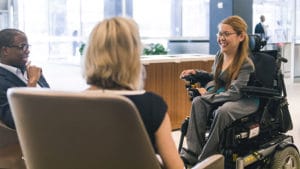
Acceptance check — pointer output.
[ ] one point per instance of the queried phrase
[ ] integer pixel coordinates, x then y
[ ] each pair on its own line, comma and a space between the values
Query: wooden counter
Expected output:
163, 79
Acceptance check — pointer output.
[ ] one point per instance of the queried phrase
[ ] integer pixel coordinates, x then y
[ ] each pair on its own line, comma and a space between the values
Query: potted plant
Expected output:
154, 49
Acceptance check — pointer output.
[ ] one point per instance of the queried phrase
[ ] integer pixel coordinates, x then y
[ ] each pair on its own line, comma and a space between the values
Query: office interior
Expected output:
56, 30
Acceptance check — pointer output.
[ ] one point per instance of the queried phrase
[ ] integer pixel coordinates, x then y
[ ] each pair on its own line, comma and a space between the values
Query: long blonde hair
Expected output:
112, 57
242, 54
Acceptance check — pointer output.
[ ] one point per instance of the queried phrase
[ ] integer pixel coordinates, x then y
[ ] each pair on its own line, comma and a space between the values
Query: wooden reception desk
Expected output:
163, 78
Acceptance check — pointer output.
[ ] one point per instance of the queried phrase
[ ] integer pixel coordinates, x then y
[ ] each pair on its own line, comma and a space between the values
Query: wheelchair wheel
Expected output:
288, 158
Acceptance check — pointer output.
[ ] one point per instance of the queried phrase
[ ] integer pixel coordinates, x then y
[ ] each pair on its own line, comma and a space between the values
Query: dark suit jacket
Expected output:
9, 80
259, 29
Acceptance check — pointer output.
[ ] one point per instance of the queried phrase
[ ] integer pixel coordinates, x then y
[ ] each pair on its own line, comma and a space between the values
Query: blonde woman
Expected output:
221, 99
112, 63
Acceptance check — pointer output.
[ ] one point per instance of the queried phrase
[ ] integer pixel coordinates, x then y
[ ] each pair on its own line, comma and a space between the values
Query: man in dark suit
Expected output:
15, 70
260, 28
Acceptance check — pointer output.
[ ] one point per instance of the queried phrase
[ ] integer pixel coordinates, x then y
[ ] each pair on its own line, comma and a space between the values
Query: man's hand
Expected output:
33, 74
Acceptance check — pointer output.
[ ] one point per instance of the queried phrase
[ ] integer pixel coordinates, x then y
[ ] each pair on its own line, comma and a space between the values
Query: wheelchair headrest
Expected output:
256, 43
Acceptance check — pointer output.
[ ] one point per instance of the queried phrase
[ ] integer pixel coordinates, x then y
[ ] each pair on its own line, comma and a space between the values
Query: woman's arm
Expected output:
166, 146
233, 92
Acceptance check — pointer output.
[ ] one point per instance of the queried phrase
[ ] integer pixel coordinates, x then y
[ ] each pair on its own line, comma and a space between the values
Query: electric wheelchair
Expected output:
259, 140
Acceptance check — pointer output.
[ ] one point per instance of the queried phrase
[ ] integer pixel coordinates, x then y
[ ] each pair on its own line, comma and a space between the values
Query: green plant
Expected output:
151, 49
155, 49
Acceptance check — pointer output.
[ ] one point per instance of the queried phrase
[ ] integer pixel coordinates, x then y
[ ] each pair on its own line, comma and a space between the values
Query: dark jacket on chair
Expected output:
9, 80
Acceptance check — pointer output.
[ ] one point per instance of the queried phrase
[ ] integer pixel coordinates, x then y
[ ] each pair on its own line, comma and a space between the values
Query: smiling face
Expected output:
228, 39
16, 54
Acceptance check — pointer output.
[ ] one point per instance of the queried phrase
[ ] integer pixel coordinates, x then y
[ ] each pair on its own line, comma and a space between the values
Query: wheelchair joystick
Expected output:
191, 86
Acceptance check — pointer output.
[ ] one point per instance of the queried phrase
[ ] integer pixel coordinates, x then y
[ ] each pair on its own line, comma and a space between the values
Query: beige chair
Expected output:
10, 151
81, 130
213, 162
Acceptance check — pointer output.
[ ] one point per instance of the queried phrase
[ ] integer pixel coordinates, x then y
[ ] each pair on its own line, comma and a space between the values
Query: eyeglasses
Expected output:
23, 47
224, 34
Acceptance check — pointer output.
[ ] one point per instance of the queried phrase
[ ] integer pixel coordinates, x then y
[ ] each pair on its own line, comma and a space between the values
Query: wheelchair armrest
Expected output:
260, 91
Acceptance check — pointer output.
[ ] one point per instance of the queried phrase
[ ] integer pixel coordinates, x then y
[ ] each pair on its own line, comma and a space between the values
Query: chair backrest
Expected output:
265, 69
79, 130
256, 43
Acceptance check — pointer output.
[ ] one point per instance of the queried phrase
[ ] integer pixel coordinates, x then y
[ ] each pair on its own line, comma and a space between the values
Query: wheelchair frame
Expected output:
252, 141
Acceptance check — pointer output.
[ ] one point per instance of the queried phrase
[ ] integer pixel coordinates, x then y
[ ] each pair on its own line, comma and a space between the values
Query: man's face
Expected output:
17, 53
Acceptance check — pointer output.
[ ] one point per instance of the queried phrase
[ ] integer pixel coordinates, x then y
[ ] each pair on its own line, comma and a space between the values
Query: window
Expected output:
297, 20
153, 17
57, 28
195, 18
279, 18
4, 14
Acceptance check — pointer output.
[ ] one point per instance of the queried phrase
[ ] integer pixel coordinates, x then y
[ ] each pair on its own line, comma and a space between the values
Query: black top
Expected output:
152, 109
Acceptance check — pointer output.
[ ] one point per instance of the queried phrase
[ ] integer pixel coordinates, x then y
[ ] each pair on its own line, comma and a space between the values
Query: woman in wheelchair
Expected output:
220, 99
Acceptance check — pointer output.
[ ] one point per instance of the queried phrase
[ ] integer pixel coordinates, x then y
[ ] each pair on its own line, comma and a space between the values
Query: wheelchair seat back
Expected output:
265, 68
264, 62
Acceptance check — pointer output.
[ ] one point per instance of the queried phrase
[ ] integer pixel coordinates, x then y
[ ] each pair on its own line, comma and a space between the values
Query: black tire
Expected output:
288, 158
